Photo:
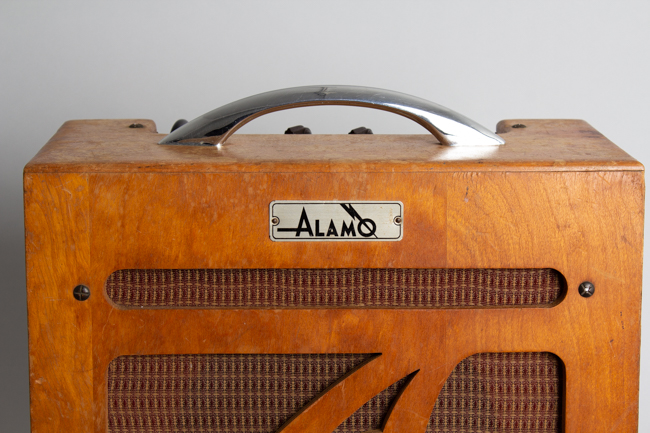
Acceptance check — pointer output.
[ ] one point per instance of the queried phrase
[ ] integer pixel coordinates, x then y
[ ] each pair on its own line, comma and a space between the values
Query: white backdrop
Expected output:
166, 60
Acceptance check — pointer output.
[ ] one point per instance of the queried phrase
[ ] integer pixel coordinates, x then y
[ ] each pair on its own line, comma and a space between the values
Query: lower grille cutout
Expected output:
334, 288
486, 393
500, 392
217, 393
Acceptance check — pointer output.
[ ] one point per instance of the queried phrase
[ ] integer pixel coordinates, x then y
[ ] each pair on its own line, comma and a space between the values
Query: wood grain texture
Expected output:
502, 213
60, 328
111, 146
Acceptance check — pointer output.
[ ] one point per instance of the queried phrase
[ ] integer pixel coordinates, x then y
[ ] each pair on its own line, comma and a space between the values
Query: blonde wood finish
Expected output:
523, 209
111, 146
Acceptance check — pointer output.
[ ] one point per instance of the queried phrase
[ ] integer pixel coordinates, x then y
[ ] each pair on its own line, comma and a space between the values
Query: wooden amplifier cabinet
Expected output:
111, 214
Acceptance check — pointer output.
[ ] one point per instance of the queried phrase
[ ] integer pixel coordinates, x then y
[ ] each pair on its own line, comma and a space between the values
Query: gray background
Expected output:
162, 60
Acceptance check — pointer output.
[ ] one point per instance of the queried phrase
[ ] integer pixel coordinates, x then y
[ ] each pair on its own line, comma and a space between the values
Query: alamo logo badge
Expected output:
336, 220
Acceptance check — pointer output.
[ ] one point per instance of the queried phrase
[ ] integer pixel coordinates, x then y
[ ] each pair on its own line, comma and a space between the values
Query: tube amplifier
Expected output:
458, 281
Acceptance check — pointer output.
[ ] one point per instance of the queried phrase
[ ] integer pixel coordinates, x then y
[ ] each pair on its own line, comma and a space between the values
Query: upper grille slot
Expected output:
334, 288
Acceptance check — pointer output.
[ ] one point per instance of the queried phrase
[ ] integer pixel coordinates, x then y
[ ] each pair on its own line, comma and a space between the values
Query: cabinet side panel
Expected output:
57, 256
588, 226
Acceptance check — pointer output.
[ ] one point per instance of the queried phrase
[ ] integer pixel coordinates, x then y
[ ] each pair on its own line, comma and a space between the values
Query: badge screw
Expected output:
81, 292
275, 221
397, 220
586, 289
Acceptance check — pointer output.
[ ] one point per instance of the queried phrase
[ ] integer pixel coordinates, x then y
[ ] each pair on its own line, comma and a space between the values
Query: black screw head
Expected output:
81, 292
136, 125
586, 289
518, 125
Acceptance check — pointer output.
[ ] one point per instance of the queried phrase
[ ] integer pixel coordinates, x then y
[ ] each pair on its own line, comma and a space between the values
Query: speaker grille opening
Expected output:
334, 288
500, 392
217, 393
486, 392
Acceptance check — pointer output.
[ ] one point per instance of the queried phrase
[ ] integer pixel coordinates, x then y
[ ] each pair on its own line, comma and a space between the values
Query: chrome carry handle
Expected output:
449, 127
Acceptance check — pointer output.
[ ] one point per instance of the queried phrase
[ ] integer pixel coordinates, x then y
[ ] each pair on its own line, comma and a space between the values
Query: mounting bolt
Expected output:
275, 221
518, 125
397, 220
81, 292
136, 125
586, 289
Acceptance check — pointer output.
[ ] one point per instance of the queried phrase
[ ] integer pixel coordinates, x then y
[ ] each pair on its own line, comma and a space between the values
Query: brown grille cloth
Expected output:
216, 393
487, 393
500, 392
333, 288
